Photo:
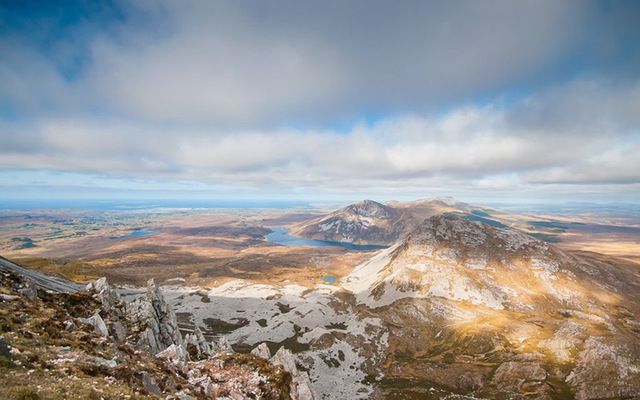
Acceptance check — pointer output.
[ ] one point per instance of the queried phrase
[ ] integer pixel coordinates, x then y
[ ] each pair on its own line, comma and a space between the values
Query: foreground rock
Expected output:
91, 344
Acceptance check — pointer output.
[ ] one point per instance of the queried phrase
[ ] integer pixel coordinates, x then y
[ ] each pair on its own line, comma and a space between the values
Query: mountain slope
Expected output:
370, 222
495, 312
365, 222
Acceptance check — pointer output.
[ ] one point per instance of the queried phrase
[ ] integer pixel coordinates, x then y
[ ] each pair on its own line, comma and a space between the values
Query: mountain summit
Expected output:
365, 222
370, 222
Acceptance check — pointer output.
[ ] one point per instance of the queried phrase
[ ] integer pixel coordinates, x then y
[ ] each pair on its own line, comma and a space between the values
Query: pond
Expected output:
133, 234
280, 235
329, 279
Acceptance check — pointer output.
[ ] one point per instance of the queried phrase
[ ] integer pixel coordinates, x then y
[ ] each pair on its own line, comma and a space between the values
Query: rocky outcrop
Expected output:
157, 320
71, 338
198, 346
300, 383
605, 370
518, 377
98, 324
262, 351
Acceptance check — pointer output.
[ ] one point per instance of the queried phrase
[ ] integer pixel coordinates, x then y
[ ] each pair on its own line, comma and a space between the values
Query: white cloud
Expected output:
246, 95
472, 146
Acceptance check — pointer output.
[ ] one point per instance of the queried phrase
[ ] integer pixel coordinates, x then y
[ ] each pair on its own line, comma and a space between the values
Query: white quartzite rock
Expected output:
300, 383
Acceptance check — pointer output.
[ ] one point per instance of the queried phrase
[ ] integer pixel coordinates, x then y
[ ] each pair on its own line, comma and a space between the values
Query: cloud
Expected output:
471, 144
233, 64
329, 96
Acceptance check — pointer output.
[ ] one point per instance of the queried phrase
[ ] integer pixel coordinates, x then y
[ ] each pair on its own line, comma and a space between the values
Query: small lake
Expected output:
329, 279
135, 233
281, 236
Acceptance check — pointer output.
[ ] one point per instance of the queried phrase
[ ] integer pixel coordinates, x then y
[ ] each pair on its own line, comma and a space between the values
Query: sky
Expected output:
535, 101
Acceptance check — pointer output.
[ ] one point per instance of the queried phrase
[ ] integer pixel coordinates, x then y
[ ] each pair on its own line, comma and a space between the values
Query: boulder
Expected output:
98, 324
174, 354
262, 351
149, 384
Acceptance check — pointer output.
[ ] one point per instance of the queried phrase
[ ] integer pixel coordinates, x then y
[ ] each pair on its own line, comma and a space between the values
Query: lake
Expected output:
133, 234
280, 235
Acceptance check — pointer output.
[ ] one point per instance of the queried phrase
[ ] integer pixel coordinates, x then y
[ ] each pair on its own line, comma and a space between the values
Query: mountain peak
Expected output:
369, 208
460, 260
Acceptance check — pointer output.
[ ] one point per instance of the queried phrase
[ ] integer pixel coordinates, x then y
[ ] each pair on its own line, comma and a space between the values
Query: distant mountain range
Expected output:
370, 222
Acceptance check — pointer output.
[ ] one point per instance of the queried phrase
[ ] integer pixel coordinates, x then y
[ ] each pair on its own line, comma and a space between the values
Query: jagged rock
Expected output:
119, 331
98, 324
112, 306
262, 351
149, 384
196, 339
175, 354
300, 382
227, 376
107, 295
221, 346
512, 376
158, 318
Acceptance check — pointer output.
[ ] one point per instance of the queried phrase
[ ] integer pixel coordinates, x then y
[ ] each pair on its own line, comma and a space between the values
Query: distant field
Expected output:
210, 246
202, 246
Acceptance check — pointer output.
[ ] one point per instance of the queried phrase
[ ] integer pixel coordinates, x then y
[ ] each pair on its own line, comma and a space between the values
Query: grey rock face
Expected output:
112, 307
98, 324
160, 326
262, 351
203, 348
300, 383
174, 354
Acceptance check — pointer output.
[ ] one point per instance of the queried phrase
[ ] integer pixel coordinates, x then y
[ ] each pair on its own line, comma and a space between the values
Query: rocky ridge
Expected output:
108, 348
